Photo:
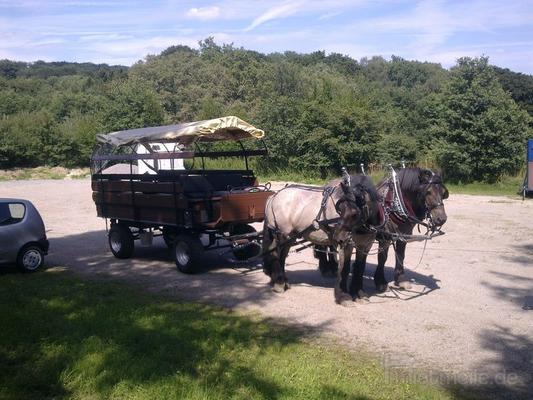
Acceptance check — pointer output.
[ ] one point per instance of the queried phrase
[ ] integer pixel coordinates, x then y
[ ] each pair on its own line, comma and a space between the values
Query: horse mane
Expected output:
364, 182
409, 179
359, 182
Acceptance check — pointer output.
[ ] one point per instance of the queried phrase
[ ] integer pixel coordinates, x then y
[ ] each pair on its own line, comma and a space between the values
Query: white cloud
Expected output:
203, 13
281, 11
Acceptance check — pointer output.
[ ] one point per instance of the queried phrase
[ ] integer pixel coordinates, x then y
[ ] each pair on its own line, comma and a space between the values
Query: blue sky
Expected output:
123, 32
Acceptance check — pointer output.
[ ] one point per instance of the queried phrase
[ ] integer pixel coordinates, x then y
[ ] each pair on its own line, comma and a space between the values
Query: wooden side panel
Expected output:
155, 202
149, 215
243, 207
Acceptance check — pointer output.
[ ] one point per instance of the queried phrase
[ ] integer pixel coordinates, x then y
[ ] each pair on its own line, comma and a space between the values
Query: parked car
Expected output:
22, 235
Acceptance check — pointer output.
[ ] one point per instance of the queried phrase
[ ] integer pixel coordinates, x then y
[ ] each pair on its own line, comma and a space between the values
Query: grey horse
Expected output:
326, 216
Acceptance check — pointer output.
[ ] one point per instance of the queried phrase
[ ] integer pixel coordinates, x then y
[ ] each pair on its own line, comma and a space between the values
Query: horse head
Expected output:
432, 192
351, 206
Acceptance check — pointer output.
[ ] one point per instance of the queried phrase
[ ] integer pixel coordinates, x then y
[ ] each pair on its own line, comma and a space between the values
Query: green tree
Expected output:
131, 104
481, 129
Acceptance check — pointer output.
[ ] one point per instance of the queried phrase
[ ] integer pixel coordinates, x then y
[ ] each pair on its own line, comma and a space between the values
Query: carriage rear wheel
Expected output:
121, 241
188, 253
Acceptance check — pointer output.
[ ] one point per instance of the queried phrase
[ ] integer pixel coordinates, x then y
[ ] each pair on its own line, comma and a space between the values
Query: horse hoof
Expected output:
348, 303
360, 300
278, 287
404, 285
287, 286
361, 294
382, 287
344, 300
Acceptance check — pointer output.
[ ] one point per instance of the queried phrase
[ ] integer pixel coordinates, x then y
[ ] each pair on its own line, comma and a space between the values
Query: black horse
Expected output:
414, 196
362, 238
326, 216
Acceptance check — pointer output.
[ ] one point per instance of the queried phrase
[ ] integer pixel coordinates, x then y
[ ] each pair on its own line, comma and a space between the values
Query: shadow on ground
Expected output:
511, 353
512, 361
424, 284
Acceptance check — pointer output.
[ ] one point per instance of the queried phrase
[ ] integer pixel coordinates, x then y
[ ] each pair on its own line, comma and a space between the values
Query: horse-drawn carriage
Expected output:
147, 183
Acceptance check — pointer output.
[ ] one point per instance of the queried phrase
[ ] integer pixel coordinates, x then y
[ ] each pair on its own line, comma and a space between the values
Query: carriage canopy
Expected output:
225, 128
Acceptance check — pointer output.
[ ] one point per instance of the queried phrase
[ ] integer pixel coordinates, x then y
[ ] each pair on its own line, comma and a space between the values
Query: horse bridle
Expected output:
432, 207
328, 193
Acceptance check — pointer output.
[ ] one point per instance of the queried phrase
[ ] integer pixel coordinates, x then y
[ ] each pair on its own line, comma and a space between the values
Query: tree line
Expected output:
320, 111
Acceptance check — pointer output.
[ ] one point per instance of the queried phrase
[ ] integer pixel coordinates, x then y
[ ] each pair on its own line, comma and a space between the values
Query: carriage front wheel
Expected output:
188, 253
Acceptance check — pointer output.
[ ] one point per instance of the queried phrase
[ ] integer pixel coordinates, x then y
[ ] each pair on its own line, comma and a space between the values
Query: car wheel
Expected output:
121, 241
30, 259
188, 253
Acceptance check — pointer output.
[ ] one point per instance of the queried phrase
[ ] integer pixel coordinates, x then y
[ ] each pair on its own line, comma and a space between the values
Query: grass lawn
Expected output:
62, 337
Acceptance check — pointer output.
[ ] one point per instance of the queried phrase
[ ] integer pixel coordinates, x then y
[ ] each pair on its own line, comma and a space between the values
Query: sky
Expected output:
124, 32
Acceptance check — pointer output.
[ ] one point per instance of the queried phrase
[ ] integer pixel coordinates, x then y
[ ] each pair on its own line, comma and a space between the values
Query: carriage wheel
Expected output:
188, 253
121, 241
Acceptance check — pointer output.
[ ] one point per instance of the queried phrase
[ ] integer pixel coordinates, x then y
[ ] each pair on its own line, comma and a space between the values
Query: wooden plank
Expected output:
110, 186
113, 211
126, 186
141, 199
147, 215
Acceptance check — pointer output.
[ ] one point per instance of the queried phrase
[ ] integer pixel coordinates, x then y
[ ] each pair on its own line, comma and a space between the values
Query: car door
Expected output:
12, 236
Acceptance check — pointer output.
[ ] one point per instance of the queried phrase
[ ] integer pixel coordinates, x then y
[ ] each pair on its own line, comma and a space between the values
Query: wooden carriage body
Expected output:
188, 199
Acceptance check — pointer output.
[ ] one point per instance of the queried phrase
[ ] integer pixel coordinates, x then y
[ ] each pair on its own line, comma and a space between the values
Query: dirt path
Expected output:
467, 315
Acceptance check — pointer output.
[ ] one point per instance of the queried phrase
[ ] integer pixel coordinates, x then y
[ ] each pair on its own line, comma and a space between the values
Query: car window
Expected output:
11, 213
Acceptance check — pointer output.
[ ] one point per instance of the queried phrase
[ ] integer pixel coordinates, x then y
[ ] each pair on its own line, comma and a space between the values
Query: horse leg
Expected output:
379, 276
274, 254
284, 252
320, 253
363, 246
340, 291
399, 274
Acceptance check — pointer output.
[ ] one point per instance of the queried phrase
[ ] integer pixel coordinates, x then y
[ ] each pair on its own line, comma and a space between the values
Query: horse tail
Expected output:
268, 247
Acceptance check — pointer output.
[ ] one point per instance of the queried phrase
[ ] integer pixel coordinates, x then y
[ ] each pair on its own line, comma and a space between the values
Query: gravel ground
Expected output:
468, 318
